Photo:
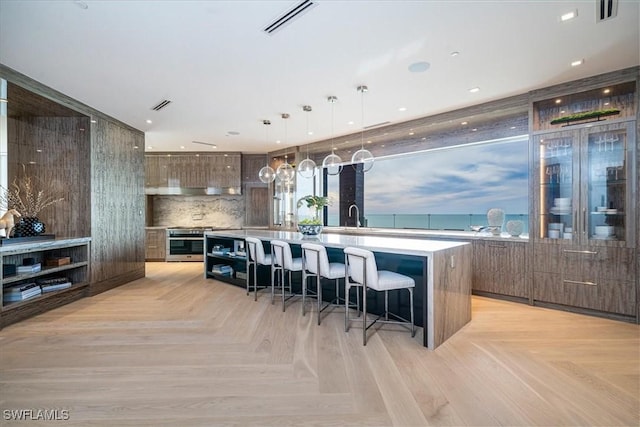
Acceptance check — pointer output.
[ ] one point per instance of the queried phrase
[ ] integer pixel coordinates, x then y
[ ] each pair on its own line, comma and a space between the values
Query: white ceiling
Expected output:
224, 74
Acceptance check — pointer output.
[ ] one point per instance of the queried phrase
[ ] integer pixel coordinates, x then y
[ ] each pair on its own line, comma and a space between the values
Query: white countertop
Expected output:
398, 245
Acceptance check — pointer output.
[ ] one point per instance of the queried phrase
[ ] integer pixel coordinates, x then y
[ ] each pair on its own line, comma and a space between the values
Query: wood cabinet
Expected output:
74, 270
500, 267
211, 173
584, 204
155, 244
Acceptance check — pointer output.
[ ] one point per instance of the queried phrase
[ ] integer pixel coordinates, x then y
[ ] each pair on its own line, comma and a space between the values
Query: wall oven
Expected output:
185, 244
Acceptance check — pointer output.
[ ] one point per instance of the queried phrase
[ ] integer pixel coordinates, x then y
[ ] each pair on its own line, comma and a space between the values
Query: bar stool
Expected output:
256, 257
283, 262
315, 263
361, 267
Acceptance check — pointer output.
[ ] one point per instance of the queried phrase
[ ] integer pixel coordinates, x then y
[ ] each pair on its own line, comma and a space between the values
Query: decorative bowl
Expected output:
310, 229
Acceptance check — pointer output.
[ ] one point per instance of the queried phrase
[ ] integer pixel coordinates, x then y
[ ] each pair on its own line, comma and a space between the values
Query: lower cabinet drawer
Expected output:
608, 295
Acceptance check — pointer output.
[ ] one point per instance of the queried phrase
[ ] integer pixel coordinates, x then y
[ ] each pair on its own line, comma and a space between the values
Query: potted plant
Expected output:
312, 226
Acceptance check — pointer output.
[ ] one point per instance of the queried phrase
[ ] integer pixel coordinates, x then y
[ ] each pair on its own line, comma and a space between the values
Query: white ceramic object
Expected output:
556, 226
604, 230
515, 227
568, 236
562, 202
495, 217
554, 234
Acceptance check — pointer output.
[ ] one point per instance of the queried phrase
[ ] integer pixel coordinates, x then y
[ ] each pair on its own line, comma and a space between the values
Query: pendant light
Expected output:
333, 162
267, 174
285, 172
363, 156
307, 167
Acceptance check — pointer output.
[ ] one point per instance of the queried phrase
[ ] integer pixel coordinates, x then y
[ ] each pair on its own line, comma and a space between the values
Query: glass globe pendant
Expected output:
267, 174
332, 163
307, 167
285, 172
363, 155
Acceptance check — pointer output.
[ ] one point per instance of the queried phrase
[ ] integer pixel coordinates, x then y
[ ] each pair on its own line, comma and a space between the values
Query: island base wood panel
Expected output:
451, 293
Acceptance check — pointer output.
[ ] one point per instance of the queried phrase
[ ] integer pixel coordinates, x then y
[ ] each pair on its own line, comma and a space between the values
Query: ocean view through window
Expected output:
448, 188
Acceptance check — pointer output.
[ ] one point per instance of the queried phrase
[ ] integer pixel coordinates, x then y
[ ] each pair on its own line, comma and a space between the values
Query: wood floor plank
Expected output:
176, 349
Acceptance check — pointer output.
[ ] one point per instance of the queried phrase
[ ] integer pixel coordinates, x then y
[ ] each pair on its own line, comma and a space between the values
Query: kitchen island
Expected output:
441, 269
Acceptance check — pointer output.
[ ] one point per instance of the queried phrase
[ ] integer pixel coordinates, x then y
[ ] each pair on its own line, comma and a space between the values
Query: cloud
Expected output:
462, 180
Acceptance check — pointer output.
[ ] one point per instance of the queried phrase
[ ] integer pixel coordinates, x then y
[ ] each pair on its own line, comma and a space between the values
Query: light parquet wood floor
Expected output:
174, 349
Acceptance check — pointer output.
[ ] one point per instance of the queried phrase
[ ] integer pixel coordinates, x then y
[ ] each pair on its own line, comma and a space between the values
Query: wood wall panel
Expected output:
117, 202
257, 206
55, 151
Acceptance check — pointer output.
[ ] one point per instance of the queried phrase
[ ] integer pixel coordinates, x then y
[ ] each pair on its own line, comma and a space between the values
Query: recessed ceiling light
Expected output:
606, 91
310, 132
182, 147
419, 67
606, 103
474, 89
149, 121
558, 101
278, 142
512, 127
474, 129
562, 111
350, 123
38, 151
94, 121
226, 155
135, 147
569, 15
463, 123
149, 148
32, 162
455, 53
402, 109
577, 62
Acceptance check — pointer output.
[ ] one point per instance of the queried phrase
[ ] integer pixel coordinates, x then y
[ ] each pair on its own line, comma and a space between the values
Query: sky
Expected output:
463, 180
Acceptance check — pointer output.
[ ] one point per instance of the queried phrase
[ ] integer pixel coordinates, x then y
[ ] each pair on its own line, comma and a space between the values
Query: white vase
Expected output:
515, 227
495, 218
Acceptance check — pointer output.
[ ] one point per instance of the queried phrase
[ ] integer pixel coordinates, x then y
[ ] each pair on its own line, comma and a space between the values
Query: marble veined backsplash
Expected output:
198, 211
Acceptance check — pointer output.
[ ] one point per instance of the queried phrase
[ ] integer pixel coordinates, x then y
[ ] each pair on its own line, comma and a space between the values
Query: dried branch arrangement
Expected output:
29, 196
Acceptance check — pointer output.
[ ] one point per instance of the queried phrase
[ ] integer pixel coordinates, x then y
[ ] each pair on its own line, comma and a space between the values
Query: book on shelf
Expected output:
222, 269
55, 286
20, 292
50, 284
33, 268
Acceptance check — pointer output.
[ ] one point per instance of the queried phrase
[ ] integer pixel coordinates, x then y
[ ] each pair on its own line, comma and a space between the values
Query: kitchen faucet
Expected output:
357, 214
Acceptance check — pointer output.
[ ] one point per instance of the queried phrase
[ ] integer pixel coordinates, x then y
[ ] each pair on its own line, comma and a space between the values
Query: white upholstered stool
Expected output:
256, 257
282, 264
315, 263
361, 268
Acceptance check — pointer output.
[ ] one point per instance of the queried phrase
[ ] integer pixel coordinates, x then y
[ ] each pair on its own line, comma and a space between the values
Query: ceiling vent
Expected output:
289, 16
607, 9
161, 105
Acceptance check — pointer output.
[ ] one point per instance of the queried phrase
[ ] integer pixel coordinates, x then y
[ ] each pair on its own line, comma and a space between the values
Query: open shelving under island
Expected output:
441, 270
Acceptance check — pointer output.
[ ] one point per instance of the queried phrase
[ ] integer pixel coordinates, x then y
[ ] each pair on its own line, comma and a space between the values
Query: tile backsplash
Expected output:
198, 211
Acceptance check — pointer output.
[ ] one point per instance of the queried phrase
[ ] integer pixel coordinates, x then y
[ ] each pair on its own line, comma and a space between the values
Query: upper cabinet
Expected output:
584, 170
193, 173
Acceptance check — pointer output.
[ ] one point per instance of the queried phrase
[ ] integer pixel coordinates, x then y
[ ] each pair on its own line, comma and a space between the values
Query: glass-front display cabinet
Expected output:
585, 184
585, 169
